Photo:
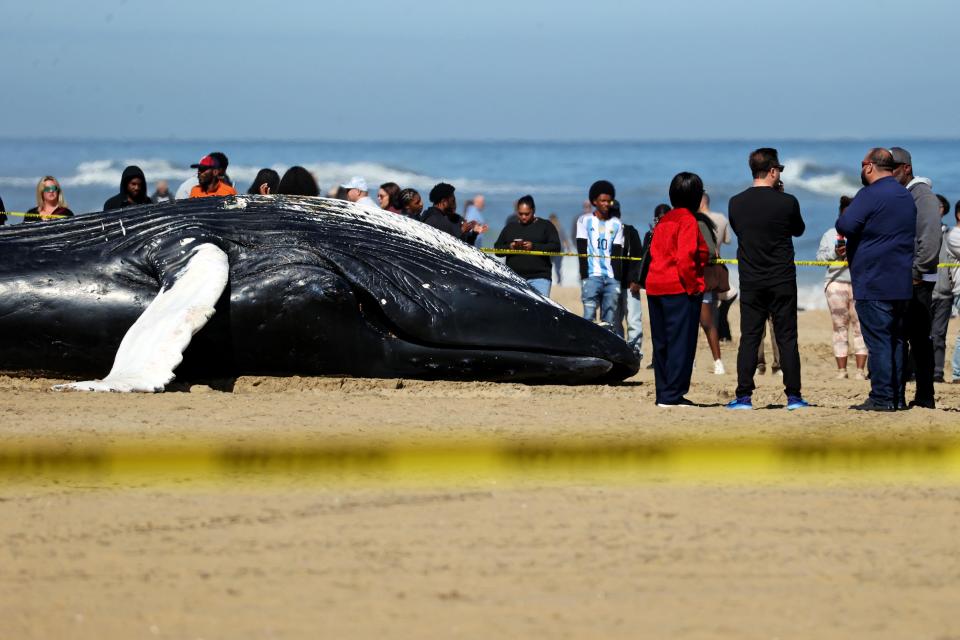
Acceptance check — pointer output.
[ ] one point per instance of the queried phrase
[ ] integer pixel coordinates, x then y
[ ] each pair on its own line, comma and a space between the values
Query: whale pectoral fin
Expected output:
153, 346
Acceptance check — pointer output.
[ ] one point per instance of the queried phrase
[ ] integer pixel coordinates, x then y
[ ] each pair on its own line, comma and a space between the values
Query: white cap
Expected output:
356, 182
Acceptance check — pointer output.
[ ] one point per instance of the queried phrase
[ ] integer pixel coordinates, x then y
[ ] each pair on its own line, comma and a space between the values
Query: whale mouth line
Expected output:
374, 315
460, 360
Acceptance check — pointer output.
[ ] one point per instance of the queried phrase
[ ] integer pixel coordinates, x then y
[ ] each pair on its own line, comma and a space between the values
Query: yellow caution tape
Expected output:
733, 261
18, 214
519, 252
765, 461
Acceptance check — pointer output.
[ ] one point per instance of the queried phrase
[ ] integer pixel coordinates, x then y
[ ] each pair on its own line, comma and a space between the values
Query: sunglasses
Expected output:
51, 189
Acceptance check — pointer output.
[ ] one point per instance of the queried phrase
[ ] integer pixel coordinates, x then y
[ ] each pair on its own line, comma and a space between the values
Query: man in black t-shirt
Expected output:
766, 221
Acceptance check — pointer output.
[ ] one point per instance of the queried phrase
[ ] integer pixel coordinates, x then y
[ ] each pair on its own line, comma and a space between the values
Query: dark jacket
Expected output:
544, 237
765, 221
121, 199
449, 222
881, 227
3, 218
632, 248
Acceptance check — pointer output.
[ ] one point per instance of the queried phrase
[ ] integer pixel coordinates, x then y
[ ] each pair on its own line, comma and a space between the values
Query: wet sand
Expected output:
480, 558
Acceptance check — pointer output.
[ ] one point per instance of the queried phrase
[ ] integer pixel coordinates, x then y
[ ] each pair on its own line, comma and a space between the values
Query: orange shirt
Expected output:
223, 189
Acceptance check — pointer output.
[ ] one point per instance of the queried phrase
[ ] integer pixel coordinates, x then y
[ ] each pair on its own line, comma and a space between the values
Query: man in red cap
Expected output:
208, 177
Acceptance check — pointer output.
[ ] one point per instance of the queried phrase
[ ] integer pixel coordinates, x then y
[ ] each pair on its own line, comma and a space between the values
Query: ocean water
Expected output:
557, 174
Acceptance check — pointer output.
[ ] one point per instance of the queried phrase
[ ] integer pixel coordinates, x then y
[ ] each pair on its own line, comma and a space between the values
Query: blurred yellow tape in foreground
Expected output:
791, 461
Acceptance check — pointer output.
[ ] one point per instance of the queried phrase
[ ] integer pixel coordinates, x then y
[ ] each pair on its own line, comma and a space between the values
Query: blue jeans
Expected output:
884, 331
631, 307
603, 292
541, 286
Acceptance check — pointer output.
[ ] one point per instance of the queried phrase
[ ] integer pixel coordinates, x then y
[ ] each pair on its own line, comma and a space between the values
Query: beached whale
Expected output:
277, 285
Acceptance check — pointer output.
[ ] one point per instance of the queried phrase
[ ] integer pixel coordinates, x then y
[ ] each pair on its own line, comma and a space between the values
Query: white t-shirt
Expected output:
367, 201
600, 235
183, 191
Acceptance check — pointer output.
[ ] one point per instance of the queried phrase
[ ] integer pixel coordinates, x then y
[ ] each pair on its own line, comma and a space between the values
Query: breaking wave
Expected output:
805, 174
106, 173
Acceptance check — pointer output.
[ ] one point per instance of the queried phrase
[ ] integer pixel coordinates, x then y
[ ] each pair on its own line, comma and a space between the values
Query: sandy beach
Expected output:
480, 558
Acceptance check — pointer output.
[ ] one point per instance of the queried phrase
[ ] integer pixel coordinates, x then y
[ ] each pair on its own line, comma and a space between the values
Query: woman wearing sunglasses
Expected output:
50, 202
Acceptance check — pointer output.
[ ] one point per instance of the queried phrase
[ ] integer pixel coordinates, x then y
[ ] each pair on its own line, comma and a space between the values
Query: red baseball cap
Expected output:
206, 162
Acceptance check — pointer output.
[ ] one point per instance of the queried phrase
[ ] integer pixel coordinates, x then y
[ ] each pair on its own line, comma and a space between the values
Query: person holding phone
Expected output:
530, 233
839, 291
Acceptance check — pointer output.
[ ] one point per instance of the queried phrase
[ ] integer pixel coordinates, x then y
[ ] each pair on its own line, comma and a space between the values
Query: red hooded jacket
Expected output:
678, 254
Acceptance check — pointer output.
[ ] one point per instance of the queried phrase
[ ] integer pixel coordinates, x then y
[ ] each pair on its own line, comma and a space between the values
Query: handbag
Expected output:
716, 278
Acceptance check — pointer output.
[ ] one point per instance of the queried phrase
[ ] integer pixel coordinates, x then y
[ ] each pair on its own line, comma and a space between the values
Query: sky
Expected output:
489, 70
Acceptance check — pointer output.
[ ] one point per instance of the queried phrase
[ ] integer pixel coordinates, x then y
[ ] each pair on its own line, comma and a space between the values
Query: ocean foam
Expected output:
801, 173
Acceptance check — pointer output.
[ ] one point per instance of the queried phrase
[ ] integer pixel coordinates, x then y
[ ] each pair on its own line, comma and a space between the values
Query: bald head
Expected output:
877, 164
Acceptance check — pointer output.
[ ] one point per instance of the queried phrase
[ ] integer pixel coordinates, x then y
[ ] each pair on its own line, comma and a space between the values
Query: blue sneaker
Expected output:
796, 402
741, 403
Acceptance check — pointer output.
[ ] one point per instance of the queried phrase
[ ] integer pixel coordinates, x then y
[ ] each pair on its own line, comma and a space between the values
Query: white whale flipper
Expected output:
153, 347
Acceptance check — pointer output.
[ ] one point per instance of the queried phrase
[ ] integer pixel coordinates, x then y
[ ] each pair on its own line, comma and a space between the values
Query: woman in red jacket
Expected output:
674, 283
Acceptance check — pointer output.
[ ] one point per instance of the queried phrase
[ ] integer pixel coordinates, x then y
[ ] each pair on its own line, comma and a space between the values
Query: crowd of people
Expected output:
889, 303
885, 291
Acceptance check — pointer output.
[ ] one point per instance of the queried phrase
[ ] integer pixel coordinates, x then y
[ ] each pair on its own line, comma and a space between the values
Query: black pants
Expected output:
919, 322
941, 321
723, 324
779, 302
674, 326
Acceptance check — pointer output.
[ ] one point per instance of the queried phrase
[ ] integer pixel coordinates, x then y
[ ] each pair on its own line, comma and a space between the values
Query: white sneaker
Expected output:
860, 375
718, 369
842, 374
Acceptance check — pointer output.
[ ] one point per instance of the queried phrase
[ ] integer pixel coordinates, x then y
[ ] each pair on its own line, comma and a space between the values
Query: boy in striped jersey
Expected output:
601, 237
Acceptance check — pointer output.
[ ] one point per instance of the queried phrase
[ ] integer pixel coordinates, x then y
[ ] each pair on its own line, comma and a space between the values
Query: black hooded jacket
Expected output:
120, 200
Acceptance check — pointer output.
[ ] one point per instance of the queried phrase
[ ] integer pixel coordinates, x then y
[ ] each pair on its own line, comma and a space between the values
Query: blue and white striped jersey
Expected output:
600, 235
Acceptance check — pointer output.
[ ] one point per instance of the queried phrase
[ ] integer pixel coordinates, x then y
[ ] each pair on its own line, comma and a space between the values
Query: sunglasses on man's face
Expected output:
51, 189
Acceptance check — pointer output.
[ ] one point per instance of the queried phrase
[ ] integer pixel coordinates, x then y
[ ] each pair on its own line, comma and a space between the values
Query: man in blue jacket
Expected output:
880, 226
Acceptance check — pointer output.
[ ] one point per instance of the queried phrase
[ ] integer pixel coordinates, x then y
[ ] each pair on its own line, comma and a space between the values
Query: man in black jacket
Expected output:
766, 221
133, 190
443, 215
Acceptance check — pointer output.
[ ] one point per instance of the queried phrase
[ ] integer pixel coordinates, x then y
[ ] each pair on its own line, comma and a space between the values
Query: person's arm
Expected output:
953, 250
616, 253
927, 253
582, 248
797, 226
632, 267
851, 223
504, 240
469, 236
691, 252
551, 241
828, 246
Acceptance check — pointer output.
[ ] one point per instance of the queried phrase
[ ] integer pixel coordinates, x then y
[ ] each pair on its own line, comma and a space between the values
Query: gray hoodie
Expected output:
927, 249
948, 282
